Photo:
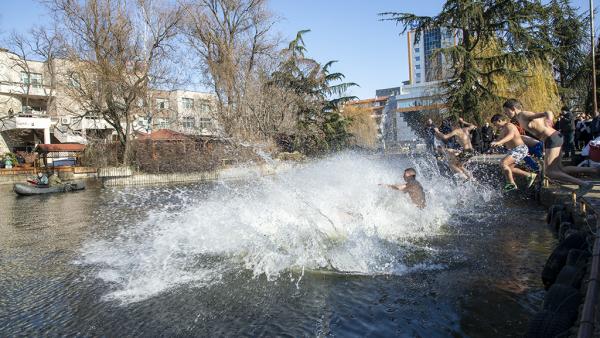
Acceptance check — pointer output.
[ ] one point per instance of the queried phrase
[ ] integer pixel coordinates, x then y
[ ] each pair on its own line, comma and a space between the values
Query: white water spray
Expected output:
329, 215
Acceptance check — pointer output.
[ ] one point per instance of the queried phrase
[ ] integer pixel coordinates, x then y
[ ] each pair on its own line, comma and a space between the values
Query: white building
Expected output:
424, 64
184, 111
411, 99
36, 108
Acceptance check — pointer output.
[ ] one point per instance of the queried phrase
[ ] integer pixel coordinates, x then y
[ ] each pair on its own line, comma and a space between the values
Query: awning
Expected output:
60, 148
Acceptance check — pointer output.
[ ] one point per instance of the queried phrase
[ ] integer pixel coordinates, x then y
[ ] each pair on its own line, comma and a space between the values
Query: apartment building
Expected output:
424, 64
35, 107
184, 111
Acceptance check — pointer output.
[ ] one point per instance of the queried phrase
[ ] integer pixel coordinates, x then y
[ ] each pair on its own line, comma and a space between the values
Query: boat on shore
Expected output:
25, 189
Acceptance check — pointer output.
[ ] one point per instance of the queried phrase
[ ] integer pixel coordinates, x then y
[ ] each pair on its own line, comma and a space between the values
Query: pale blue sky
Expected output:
370, 52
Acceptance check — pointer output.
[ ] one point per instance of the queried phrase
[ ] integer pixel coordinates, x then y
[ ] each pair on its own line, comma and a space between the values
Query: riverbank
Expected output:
576, 223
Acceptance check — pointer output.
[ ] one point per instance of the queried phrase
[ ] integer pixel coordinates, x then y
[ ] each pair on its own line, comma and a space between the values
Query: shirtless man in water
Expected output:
456, 158
539, 124
412, 187
517, 151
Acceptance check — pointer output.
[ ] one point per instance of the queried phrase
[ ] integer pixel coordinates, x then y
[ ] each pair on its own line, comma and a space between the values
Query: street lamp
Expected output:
595, 100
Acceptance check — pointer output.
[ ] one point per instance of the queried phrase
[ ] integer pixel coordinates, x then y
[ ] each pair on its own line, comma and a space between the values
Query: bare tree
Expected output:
114, 53
233, 41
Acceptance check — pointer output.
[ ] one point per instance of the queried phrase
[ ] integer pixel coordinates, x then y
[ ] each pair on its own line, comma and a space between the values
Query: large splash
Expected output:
328, 215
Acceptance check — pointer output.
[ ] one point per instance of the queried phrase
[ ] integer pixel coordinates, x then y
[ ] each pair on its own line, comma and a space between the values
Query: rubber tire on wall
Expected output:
563, 229
571, 276
563, 299
548, 324
558, 258
563, 216
552, 211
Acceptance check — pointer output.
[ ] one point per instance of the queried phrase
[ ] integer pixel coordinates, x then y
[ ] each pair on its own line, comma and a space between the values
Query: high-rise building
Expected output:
424, 64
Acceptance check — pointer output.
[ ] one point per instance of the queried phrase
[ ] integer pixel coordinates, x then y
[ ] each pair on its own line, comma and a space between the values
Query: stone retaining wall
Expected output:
116, 177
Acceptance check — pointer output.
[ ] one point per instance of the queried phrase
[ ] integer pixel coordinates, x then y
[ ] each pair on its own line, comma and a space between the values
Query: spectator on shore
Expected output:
595, 126
477, 140
430, 136
487, 136
566, 125
584, 134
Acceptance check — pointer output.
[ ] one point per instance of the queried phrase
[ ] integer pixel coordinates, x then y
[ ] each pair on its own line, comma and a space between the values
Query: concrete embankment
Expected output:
571, 273
123, 176
20, 175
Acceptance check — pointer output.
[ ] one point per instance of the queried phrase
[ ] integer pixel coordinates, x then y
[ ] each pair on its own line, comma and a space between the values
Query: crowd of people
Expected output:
522, 136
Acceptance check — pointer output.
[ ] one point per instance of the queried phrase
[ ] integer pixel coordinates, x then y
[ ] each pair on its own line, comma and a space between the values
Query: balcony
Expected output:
20, 89
25, 122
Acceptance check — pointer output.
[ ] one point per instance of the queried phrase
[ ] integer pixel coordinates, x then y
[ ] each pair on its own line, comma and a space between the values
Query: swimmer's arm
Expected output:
509, 136
470, 126
400, 187
444, 137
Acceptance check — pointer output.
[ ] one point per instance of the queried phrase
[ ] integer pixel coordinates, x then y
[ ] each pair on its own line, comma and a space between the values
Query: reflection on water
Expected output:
272, 258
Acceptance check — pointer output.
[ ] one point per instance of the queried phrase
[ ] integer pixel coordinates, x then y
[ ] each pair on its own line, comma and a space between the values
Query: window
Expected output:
418, 75
187, 103
189, 122
417, 58
204, 107
162, 103
205, 123
74, 80
32, 79
418, 66
163, 124
417, 49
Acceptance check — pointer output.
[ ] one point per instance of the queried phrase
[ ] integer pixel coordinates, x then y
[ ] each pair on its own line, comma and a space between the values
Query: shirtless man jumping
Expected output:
538, 124
518, 150
456, 158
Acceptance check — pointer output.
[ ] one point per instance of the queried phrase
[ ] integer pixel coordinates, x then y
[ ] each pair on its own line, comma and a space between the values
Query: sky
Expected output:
370, 52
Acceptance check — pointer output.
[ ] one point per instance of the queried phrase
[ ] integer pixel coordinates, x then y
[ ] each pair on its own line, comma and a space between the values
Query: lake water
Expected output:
318, 250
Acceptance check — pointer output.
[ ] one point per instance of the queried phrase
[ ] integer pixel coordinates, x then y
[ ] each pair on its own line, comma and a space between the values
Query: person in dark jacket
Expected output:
487, 136
566, 125
430, 136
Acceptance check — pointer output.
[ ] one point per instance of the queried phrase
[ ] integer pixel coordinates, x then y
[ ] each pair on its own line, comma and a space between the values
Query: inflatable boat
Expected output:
24, 189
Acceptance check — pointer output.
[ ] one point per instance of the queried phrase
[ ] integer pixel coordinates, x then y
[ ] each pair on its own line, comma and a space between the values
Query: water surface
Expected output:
319, 250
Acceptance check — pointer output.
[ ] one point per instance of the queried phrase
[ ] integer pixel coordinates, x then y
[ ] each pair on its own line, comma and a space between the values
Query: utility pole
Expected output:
594, 94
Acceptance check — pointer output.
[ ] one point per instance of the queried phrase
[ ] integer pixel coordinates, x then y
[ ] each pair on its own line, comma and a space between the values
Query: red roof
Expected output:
163, 135
63, 147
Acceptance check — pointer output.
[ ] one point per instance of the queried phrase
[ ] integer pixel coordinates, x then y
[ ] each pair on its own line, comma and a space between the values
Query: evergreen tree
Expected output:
569, 34
321, 93
517, 26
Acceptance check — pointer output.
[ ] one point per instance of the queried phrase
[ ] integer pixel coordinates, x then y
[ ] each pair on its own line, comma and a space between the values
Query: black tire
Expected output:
68, 188
558, 258
563, 299
578, 257
548, 324
563, 228
552, 211
561, 216
570, 276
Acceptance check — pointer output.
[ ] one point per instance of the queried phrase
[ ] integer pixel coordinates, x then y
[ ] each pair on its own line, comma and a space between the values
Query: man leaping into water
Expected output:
538, 124
518, 150
412, 187
457, 157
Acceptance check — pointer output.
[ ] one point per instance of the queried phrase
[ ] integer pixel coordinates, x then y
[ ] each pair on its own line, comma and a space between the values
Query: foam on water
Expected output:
328, 215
